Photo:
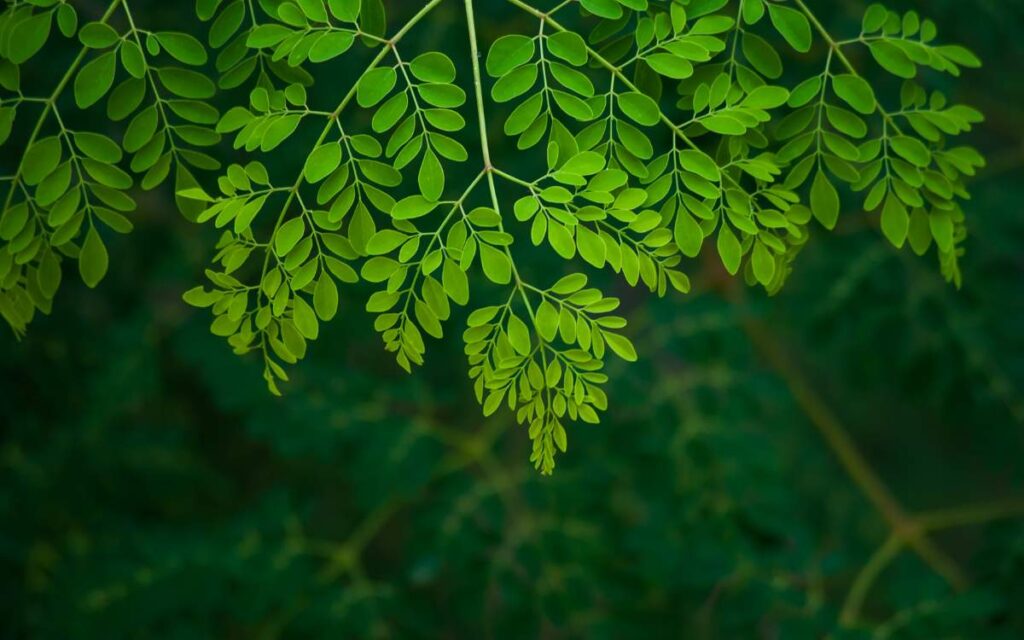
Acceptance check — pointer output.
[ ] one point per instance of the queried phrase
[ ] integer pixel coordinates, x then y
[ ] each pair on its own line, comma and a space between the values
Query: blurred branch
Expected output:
908, 530
867, 576
853, 461
928, 521
970, 515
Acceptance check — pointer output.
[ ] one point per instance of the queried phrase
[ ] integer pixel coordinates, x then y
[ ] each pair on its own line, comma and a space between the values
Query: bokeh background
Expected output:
150, 487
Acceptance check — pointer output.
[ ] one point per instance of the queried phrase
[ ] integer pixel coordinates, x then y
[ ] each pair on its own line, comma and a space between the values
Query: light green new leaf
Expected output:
455, 282
330, 46
766, 97
584, 164
603, 8
515, 83
385, 241
591, 247
305, 319
688, 235
912, 150
547, 320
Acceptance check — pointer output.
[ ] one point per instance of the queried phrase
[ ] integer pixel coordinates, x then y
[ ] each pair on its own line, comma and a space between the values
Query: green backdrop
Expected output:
150, 486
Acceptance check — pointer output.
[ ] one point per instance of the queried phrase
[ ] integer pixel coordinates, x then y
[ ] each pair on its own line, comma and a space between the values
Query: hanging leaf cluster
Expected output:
668, 131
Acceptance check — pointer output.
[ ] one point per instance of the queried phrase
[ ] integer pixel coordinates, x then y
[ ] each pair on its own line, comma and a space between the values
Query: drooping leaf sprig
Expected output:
668, 129
71, 185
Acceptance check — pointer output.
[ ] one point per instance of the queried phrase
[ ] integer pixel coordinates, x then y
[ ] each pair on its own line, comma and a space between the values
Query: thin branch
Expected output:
478, 93
850, 613
970, 515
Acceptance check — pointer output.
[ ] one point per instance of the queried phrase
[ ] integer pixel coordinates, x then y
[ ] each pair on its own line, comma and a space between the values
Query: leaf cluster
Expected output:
669, 131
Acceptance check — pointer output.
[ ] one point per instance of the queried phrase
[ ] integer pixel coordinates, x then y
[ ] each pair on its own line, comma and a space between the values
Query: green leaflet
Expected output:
895, 221
93, 261
642, 109
28, 36
855, 91
322, 162
824, 200
508, 53
95, 79
433, 67
792, 25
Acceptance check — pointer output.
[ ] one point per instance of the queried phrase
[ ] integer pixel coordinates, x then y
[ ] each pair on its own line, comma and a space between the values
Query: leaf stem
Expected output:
478, 91
478, 88
485, 149
157, 99
513, 179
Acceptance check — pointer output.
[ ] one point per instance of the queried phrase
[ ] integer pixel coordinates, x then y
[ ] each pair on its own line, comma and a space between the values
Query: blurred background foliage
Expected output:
151, 487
